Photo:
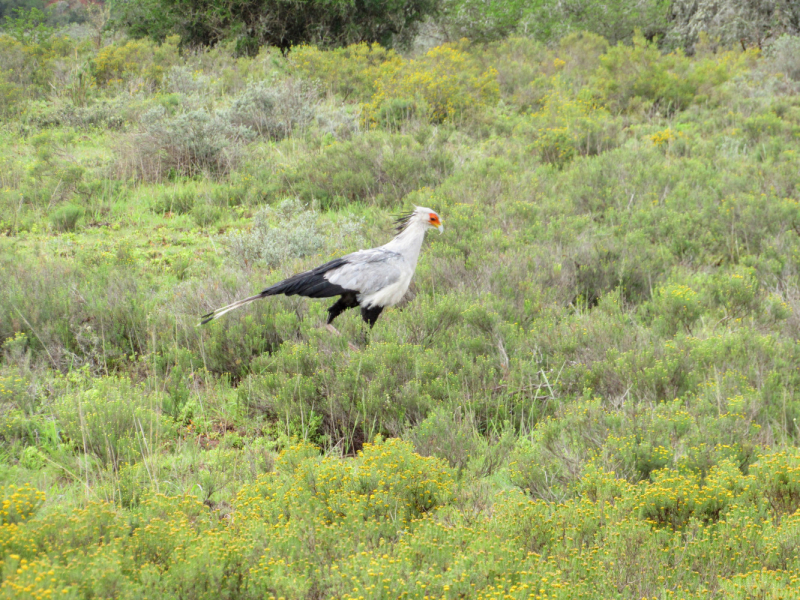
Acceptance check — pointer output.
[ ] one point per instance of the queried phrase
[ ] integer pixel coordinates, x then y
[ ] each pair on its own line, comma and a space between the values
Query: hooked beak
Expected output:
441, 229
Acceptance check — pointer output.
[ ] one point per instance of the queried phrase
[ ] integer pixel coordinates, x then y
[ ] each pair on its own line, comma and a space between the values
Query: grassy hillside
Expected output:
592, 390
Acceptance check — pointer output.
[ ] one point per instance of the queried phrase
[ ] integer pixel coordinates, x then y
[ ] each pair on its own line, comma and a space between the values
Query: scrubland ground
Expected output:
592, 392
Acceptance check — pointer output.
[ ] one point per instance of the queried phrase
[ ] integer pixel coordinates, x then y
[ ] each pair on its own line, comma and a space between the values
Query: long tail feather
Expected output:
216, 314
311, 284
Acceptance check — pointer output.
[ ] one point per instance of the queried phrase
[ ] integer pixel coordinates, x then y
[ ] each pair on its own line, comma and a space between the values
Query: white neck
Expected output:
408, 242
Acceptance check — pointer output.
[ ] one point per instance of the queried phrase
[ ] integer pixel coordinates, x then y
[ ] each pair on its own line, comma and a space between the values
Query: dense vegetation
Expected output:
333, 23
673, 23
592, 390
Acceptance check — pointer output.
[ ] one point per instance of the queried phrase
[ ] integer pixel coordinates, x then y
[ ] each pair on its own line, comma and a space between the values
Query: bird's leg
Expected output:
370, 315
346, 301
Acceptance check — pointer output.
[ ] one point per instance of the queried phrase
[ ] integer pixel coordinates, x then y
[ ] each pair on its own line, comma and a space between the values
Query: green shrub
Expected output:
455, 438
709, 25
549, 462
65, 218
115, 421
250, 26
180, 79
375, 168
759, 126
564, 127
394, 112
28, 63
675, 308
640, 77
179, 201
339, 122
102, 331
384, 489
477, 21
230, 348
10, 95
616, 20
452, 437
14, 388
101, 113
518, 61
737, 292
205, 214
135, 59
555, 146
395, 385
673, 499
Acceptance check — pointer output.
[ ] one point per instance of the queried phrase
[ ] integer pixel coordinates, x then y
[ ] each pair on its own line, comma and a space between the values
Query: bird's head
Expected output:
432, 219
425, 216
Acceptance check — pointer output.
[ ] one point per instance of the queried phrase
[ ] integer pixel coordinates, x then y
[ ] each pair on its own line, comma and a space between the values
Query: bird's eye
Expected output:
433, 218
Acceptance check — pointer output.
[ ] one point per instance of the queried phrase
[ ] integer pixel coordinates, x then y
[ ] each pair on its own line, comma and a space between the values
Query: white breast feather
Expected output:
388, 296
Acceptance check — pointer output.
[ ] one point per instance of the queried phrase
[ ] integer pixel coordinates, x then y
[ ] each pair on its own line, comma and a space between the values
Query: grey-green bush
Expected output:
276, 108
289, 231
186, 144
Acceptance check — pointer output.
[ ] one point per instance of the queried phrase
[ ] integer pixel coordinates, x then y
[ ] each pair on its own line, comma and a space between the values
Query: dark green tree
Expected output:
27, 26
281, 23
8, 8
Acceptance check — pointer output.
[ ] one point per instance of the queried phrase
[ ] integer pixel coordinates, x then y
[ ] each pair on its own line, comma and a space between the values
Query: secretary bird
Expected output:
372, 279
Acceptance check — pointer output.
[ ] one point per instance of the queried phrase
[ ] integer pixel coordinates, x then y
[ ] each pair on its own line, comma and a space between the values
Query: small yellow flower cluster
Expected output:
18, 504
662, 137
673, 498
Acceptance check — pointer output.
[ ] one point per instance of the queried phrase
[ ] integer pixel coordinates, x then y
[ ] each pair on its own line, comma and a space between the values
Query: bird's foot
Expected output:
335, 331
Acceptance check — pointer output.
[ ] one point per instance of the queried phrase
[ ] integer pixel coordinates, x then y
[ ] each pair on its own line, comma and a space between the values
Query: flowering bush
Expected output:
445, 84
640, 76
351, 71
18, 503
141, 61
388, 522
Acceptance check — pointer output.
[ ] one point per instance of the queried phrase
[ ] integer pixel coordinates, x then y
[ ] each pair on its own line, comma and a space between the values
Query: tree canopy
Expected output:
281, 23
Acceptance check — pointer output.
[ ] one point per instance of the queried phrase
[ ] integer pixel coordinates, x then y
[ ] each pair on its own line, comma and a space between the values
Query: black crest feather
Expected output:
402, 221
